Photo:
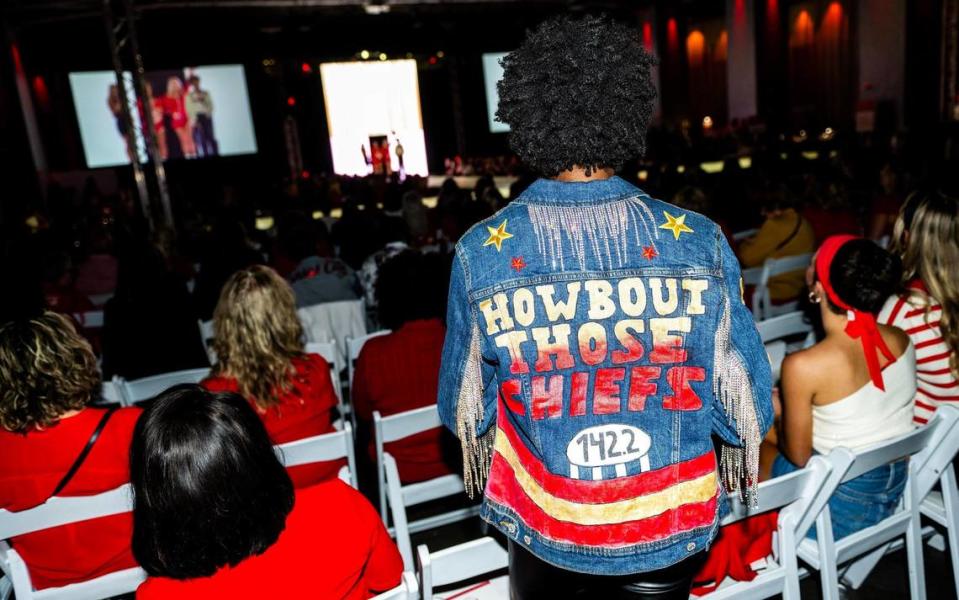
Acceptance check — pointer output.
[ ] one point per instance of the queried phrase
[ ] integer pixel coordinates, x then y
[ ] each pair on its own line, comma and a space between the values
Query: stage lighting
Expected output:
291, 101
383, 56
745, 162
317, 215
681, 169
365, 54
712, 166
707, 122
440, 54
306, 68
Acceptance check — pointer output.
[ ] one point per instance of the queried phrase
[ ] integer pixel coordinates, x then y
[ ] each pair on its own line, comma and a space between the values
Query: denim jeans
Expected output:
859, 503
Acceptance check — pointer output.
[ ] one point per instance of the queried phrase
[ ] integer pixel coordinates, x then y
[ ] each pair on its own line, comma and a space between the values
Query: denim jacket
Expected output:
597, 339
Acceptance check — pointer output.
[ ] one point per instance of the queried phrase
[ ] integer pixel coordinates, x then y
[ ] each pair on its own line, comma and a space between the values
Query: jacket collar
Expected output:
550, 191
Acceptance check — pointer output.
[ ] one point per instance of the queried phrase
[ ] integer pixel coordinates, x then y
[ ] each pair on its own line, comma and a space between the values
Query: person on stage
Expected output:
199, 111
597, 340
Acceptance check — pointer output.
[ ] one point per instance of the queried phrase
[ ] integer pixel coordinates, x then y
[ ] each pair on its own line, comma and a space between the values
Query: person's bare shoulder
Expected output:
895, 338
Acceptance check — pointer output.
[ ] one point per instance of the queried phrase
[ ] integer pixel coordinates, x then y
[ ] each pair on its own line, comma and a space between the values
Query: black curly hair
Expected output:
863, 275
578, 92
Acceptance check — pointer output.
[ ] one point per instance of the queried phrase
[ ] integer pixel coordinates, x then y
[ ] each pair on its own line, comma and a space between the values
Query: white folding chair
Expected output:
322, 448
92, 319
408, 589
146, 388
745, 234
99, 300
459, 563
776, 352
942, 505
826, 555
353, 348
396, 496
206, 334
787, 325
111, 392
793, 495
62, 511
763, 307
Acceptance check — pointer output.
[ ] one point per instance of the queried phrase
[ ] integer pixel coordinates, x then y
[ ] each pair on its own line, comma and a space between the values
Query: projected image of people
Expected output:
199, 111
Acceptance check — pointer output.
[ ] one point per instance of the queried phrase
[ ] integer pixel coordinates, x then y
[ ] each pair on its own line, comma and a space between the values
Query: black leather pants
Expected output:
530, 578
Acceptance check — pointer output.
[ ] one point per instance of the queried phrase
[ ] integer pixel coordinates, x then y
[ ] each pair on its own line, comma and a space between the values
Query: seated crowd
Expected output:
887, 358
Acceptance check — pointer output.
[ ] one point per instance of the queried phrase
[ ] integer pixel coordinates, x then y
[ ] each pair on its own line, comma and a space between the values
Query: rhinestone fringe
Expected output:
477, 449
603, 229
739, 465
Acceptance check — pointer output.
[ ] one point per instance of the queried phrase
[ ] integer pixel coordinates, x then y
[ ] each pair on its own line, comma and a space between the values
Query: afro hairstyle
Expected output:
578, 92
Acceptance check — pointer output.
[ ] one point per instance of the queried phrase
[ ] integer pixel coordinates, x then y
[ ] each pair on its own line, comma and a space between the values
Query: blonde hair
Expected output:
256, 334
929, 247
46, 370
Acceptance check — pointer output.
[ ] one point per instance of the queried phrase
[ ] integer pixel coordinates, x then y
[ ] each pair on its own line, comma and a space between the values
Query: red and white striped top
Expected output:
918, 315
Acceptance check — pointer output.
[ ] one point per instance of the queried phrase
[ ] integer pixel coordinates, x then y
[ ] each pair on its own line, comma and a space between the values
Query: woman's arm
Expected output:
798, 384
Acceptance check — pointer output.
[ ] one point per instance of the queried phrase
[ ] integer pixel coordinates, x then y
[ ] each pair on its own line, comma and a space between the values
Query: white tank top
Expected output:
869, 415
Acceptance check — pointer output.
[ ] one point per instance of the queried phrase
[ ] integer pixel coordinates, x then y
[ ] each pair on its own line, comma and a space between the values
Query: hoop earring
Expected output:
813, 298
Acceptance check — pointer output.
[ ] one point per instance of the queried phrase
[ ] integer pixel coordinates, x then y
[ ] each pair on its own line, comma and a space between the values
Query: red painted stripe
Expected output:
942, 371
504, 489
608, 490
950, 384
938, 397
921, 311
921, 328
933, 358
895, 311
927, 343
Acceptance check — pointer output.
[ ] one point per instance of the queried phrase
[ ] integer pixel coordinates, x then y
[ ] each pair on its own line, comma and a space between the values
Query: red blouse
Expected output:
334, 546
399, 372
31, 466
305, 410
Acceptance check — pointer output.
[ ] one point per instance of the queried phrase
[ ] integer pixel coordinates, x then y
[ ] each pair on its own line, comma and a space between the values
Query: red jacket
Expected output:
303, 411
31, 466
334, 546
399, 372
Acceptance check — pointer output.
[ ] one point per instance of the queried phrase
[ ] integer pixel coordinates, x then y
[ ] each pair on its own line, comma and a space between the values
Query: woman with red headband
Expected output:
855, 387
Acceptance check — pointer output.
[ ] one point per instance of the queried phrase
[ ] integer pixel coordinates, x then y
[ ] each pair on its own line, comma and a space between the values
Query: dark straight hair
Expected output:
208, 488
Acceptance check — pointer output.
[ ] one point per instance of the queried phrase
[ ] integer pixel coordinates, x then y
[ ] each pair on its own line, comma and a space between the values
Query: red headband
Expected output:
861, 324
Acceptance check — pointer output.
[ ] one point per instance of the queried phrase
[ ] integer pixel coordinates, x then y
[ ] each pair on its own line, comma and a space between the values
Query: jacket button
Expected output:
690, 546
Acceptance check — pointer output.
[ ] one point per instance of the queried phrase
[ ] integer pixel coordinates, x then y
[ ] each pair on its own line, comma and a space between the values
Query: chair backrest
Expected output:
744, 234
334, 321
92, 319
782, 326
145, 388
61, 511
404, 424
459, 563
206, 335
928, 465
321, 448
762, 302
408, 589
111, 392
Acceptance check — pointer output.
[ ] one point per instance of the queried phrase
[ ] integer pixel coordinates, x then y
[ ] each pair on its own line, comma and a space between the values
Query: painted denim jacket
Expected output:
596, 340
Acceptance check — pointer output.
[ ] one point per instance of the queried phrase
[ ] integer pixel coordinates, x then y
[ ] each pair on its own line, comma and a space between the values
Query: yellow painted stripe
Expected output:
701, 489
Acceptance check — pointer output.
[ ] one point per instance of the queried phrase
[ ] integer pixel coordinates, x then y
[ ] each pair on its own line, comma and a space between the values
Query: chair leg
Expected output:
828, 570
950, 500
6, 588
857, 572
787, 558
917, 573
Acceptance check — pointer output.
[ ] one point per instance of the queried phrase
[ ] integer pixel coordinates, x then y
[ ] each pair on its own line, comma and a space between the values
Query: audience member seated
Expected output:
400, 371
784, 232
149, 326
59, 289
48, 377
318, 276
98, 273
887, 203
855, 388
231, 525
830, 213
259, 348
927, 305
228, 251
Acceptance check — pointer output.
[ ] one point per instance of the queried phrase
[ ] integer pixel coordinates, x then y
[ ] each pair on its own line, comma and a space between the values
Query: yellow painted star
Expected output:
497, 235
676, 224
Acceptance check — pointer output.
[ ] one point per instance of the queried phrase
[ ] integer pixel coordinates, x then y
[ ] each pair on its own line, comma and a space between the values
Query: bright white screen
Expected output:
373, 99
492, 73
104, 144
